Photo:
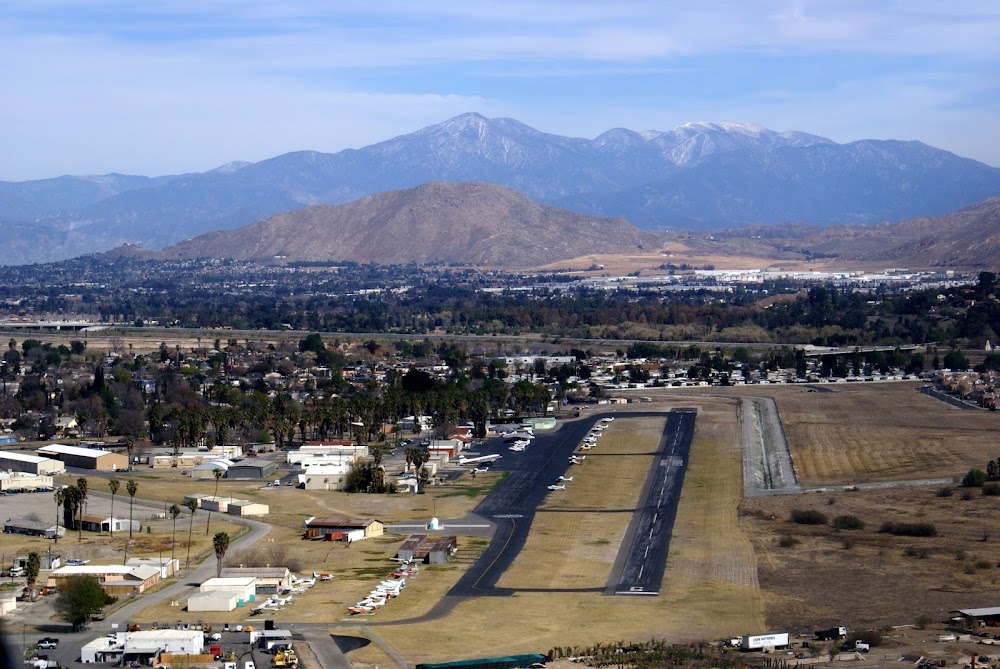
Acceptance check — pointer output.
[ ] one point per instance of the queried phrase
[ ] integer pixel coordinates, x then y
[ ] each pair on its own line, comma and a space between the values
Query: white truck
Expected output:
764, 641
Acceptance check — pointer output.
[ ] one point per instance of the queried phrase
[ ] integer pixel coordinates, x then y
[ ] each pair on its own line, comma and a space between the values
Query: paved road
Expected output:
948, 399
647, 540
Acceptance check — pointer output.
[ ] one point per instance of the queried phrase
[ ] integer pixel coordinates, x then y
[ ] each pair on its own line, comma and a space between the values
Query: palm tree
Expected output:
132, 488
81, 495
113, 485
220, 542
60, 498
218, 475
174, 512
191, 505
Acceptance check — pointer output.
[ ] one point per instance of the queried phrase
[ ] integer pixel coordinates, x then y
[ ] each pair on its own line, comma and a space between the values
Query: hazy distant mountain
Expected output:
466, 223
699, 176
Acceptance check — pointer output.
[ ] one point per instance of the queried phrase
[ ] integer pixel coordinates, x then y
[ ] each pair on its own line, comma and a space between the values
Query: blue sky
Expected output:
167, 86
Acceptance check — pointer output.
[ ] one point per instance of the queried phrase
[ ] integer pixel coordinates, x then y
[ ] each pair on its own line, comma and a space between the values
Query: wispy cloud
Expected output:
169, 85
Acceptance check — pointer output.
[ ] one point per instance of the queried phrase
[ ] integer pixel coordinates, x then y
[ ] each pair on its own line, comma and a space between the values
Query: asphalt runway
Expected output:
648, 536
512, 503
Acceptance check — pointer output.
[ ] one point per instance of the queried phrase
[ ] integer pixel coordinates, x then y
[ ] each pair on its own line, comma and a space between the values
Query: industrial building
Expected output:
244, 507
24, 481
344, 529
14, 461
252, 469
85, 458
325, 477
168, 567
270, 580
90, 522
116, 579
213, 600
245, 587
33, 528
428, 549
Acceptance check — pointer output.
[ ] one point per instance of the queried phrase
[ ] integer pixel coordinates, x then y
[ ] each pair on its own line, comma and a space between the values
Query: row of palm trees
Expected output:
72, 500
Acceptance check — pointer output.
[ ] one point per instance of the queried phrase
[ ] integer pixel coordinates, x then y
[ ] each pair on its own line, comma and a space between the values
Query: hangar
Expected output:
85, 458
13, 461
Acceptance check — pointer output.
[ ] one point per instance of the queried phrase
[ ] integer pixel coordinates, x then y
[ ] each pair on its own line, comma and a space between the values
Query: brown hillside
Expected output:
467, 223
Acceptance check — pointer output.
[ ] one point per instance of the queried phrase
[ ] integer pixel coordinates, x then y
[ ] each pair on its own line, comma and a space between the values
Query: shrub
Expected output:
787, 541
909, 529
966, 495
848, 523
808, 517
975, 478
847, 544
923, 621
983, 564
914, 552
991, 489
946, 491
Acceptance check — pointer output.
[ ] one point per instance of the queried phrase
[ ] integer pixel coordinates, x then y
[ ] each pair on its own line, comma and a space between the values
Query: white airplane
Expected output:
518, 447
578, 457
608, 419
323, 576
360, 608
282, 602
479, 470
566, 478
462, 460
557, 487
400, 583
400, 560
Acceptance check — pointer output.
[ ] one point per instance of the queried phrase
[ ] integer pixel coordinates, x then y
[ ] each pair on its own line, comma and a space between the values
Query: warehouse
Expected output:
90, 522
13, 461
206, 470
344, 529
24, 481
213, 600
145, 646
244, 507
260, 469
167, 566
33, 528
986, 617
85, 458
270, 580
115, 579
427, 549
245, 587
325, 477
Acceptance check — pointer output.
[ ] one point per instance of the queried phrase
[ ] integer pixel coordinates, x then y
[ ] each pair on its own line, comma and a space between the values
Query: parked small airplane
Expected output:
479, 470
323, 576
462, 460
608, 419
400, 560
557, 487
566, 478
578, 457
354, 610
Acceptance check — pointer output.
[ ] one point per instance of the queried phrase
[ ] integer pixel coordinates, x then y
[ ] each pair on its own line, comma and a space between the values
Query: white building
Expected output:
31, 464
149, 643
325, 477
213, 600
244, 586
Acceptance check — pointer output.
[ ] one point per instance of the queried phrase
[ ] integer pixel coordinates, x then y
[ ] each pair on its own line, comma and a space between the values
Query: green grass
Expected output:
470, 491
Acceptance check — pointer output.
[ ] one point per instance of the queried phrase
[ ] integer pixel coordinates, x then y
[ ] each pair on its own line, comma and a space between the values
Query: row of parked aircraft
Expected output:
385, 590
299, 585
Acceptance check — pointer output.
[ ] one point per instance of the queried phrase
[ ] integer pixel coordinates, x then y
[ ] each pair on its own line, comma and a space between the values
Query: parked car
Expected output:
47, 643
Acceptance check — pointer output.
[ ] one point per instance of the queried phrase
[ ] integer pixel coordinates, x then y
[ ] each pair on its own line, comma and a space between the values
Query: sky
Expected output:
170, 86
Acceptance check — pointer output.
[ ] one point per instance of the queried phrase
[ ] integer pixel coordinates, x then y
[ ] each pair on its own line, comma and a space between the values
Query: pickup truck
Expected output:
47, 643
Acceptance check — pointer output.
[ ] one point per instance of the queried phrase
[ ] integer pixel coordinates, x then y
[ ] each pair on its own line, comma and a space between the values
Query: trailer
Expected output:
764, 641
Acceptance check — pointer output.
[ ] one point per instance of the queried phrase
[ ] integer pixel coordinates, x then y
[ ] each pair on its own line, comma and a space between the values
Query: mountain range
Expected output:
699, 176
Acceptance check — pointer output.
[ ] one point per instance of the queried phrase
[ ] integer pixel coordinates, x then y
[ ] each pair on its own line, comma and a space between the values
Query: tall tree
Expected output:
132, 487
191, 505
220, 542
218, 475
60, 498
81, 500
113, 486
174, 512
31, 570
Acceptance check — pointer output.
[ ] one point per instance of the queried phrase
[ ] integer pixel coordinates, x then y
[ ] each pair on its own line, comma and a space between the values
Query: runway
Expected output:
643, 557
